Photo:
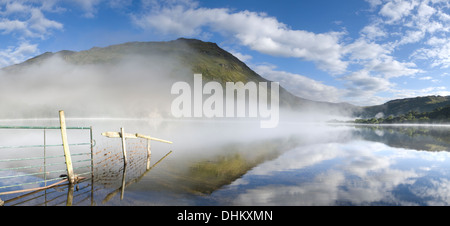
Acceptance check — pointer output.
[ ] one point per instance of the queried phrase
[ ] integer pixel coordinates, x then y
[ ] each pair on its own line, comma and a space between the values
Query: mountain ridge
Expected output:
398, 107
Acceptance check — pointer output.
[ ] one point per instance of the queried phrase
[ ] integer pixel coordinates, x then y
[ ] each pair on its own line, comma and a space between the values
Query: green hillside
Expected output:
403, 106
438, 115
202, 57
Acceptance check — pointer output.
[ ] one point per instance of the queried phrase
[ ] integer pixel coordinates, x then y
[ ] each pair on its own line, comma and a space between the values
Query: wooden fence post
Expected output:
149, 154
124, 146
62, 120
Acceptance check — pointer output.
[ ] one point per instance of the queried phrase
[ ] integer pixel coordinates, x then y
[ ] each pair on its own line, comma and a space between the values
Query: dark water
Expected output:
218, 163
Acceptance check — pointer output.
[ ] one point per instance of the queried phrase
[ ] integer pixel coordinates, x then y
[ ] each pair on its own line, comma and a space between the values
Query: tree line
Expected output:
438, 115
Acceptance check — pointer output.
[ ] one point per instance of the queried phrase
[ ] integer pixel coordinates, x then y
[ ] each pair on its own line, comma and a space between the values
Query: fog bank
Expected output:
136, 86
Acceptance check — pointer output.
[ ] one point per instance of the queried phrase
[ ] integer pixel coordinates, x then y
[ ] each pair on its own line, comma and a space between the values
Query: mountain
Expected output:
403, 106
214, 63
202, 57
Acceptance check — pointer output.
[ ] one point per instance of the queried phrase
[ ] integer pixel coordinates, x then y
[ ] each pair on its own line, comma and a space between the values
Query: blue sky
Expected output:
363, 52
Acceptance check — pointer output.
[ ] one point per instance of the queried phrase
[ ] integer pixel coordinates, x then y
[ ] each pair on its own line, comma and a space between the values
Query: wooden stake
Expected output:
149, 154
118, 135
124, 147
122, 189
62, 120
152, 138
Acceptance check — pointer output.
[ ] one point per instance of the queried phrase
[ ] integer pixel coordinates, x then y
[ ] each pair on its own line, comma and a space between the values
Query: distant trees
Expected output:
438, 115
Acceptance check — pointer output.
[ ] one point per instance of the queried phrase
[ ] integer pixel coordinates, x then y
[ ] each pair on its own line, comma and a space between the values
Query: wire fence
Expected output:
33, 157
32, 160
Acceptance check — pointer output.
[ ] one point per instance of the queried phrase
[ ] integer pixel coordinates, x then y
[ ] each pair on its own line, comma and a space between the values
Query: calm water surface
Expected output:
218, 163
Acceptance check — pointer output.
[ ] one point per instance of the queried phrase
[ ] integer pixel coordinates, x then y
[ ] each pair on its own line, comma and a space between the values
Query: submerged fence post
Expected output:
124, 146
45, 159
62, 120
149, 154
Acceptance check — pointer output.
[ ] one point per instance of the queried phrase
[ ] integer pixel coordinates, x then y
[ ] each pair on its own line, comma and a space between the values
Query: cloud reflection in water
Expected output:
353, 173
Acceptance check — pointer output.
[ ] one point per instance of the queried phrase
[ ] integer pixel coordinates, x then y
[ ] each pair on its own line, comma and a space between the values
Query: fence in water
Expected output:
34, 159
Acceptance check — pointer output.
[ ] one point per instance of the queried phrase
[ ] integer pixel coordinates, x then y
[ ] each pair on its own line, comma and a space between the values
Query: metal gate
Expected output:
28, 165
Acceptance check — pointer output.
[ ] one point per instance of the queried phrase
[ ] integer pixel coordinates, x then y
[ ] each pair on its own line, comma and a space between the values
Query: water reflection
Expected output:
427, 138
358, 172
126, 183
63, 194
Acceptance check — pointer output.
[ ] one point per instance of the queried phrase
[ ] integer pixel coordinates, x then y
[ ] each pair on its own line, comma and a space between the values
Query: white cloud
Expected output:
14, 55
410, 21
443, 16
88, 6
242, 57
15, 7
374, 3
40, 24
27, 16
392, 68
407, 93
426, 78
397, 9
411, 36
361, 49
422, 21
438, 54
255, 30
299, 85
435, 41
378, 68
420, 18
26, 20
425, 11
363, 87
373, 31
10, 26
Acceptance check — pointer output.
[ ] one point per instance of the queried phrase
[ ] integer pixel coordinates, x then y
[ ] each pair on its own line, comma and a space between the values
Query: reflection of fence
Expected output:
136, 175
30, 167
61, 194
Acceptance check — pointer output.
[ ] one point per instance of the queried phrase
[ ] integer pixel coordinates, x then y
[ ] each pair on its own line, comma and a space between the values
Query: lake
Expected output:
237, 163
